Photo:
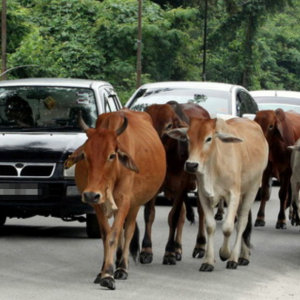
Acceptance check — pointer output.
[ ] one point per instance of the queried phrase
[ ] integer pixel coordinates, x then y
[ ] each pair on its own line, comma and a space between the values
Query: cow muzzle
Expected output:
91, 197
191, 167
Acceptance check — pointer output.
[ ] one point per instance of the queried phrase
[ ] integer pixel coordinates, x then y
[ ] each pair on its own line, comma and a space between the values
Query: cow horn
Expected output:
81, 122
123, 127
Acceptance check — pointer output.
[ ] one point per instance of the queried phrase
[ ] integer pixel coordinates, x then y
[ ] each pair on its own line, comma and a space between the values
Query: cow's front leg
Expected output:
199, 249
110, 245
209, 259
146, 255
265, 193
284, 192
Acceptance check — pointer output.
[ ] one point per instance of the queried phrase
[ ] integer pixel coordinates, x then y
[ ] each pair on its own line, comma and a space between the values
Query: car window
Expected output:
55, 108
245, 104
286, 103
213, 101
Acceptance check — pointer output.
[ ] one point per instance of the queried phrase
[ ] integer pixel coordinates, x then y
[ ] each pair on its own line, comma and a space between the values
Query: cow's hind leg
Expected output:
220, 211
244, 226
295, 205
146, 255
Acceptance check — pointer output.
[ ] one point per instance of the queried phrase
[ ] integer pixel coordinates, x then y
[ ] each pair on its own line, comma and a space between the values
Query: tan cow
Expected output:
120, 167
295, 184
228, 158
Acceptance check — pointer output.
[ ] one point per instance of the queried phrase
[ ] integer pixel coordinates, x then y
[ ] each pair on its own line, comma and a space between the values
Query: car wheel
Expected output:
92, 227
2, 220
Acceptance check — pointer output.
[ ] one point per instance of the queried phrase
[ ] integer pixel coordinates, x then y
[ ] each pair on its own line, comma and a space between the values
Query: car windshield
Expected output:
266, 103
215, 102
46, 108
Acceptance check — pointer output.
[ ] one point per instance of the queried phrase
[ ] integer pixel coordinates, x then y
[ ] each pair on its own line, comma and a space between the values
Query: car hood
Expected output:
49, 147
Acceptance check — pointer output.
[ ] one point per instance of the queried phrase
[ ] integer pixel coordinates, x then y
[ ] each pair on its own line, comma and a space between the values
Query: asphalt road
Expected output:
46, 258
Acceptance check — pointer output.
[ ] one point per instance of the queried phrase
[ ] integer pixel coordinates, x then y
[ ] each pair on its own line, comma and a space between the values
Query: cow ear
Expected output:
126, 160
178, 123
228, 138
75, 157
179, 134
223, 134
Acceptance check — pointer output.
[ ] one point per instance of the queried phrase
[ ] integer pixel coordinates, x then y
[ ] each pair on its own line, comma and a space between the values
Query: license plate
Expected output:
19, 189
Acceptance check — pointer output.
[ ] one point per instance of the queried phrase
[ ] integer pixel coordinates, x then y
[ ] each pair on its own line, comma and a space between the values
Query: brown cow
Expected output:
228, 159
281, 129
120, 167
177, 183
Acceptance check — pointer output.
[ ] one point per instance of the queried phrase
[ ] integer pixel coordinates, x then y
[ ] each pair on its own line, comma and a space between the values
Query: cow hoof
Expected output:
280, 225
108, 282
146, 258
259, 223
178, 256
243, 261
98, 278
206, 268
120, 274
169, 260
198, 253
218, 217
232, 265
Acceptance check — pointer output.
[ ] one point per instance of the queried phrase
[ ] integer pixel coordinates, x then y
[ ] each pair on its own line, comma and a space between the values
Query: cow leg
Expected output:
283, 197
105, 229
146, 255
220, 212
169, 256
199, 250
209, 259
228, 225
110, 245
178, 237
295, 205
265, 195
122, 267
243, 220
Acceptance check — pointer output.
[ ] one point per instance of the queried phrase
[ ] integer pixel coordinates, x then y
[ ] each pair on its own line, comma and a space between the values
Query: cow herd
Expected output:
131, 157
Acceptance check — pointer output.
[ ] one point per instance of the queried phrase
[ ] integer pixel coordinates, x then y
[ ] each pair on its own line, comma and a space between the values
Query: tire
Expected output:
92, 227
2, 220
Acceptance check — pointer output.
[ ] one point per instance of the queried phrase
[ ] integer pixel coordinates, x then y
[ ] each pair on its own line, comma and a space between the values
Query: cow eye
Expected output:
169, 126
208, 139
112, 156
271, 127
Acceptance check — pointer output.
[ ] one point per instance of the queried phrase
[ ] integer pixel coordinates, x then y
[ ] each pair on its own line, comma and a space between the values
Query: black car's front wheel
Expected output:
92, 227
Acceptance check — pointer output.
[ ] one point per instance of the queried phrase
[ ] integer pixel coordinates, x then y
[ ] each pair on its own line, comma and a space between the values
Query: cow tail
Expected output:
134, 247
248, 230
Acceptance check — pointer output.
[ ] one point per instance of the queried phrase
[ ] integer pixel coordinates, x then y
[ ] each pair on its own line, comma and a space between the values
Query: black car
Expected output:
39, 130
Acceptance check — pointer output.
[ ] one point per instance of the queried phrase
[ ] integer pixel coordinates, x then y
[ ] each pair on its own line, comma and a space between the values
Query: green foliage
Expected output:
254, 43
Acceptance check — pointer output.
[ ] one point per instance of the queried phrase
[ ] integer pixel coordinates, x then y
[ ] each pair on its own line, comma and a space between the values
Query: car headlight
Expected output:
69, 173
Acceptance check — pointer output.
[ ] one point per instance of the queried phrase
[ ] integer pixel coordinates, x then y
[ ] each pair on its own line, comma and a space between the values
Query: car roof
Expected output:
70, 82
192, 84
275, 93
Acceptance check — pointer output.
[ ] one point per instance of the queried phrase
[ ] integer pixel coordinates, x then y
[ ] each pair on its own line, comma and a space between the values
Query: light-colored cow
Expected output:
228, 158
295, 184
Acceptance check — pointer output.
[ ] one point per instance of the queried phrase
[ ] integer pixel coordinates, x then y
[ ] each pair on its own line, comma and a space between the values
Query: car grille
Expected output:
27, 170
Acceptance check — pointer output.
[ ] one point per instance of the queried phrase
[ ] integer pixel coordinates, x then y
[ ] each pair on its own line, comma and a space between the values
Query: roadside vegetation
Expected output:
255, 43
